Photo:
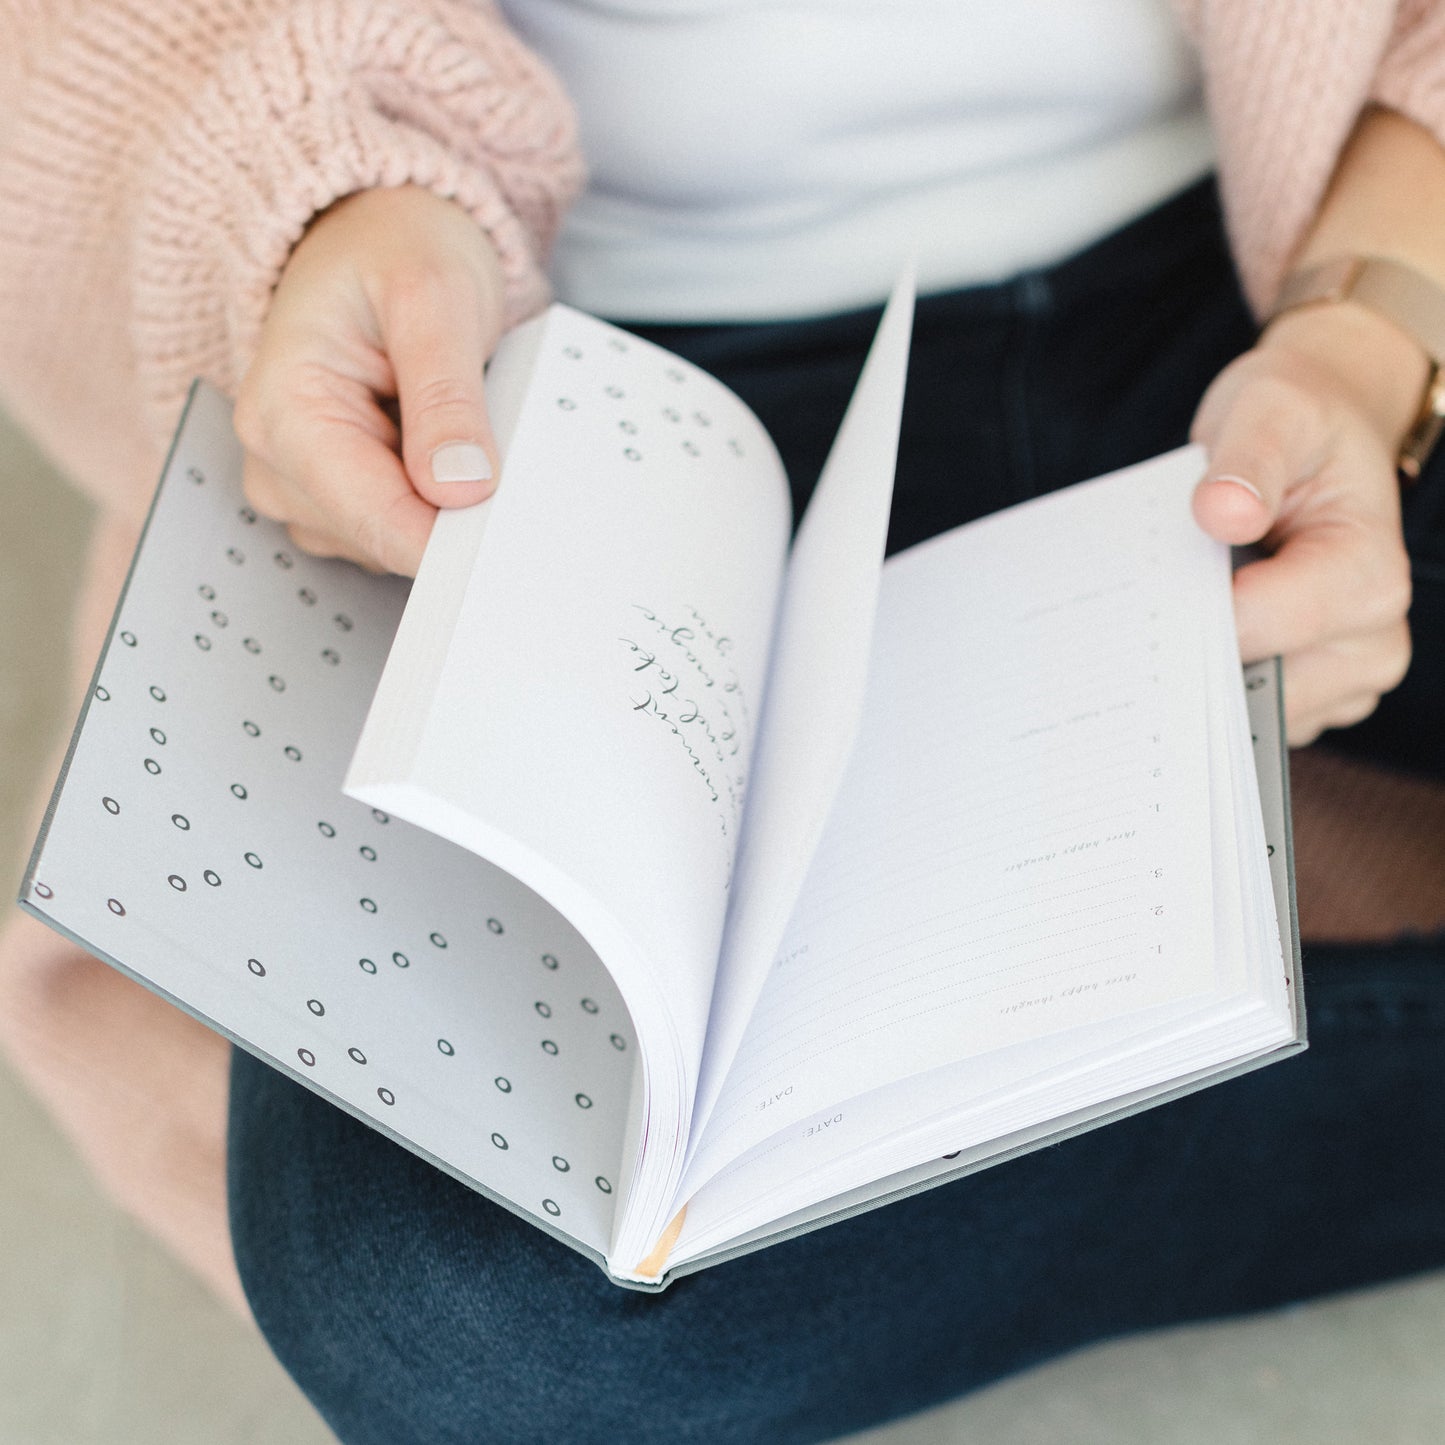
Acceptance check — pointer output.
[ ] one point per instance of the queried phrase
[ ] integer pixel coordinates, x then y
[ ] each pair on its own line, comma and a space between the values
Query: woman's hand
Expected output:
1302, 434
391, 296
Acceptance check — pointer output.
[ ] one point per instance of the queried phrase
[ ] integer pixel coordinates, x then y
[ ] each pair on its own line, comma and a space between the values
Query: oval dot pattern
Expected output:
203, 840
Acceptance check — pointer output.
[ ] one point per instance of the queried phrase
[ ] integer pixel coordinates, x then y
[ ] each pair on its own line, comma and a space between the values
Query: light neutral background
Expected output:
105, 1341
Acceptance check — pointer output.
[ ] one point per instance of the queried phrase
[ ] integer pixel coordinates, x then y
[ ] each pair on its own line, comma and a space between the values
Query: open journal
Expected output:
679, 888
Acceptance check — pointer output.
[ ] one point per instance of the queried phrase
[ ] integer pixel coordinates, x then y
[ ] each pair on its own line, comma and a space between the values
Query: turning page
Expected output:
590, 719
815, 686
593, 644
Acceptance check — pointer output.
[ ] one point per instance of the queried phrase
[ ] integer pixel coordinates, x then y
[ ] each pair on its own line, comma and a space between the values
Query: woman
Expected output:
325, 206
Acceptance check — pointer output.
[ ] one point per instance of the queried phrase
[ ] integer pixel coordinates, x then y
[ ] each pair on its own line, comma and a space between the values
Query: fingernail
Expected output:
1249, 487
461, 462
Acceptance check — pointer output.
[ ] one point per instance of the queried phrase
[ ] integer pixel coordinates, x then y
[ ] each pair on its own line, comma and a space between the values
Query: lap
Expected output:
411, 1309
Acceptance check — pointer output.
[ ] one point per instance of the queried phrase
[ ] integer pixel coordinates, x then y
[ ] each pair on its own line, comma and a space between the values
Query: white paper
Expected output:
1021, 844
816, 684
591, 727
986, 1102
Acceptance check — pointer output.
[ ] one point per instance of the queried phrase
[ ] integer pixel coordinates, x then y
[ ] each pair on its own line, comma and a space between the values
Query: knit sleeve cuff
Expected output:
335, 97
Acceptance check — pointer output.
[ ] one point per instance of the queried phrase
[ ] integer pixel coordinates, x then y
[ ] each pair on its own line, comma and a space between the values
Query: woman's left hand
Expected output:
1302, 434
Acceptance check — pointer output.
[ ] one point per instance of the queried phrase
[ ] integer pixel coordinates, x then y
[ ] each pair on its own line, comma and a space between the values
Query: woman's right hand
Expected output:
392, 296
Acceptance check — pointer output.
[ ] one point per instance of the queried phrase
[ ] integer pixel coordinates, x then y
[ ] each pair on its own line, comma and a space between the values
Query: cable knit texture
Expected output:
159, 160
1285, 83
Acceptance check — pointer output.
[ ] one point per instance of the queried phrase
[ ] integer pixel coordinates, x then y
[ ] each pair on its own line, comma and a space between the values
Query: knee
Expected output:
407, 1307
412, 1311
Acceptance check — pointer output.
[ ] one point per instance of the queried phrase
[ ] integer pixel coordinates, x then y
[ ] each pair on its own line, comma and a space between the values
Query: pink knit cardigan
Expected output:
159, 159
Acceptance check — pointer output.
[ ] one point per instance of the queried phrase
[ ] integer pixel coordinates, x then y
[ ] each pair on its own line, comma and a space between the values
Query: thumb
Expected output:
437, 353
1262, 437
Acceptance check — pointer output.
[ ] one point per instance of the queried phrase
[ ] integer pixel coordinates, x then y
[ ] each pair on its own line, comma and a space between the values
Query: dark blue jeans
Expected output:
414, 1312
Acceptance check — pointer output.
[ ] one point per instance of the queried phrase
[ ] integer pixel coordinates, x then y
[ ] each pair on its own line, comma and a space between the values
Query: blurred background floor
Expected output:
104, 1340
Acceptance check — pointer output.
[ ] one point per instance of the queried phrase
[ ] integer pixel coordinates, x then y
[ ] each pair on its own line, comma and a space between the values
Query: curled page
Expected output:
596, 652
816, 685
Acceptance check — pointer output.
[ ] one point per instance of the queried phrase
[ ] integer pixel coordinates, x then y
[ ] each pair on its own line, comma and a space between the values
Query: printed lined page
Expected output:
1021, 844
988, 1104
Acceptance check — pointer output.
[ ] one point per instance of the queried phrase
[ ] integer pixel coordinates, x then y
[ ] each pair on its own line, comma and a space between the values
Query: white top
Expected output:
766, 159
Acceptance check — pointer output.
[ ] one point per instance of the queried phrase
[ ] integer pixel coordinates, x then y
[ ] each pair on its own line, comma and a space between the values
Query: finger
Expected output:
433, 335
265, 489
267, 492
1263, 435
317, 543
330, 457
1375, 663
1303, 729
1351, 710
1330, 581
325, 546
313, 542
360, 496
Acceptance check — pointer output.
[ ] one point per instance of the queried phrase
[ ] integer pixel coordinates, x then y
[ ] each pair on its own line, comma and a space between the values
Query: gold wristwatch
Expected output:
1403, 296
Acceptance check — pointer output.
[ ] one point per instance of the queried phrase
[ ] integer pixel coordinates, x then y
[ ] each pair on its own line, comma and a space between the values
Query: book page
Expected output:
591, 725
987, 1103
816, 684
1022, 842
199, 840
597, 654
